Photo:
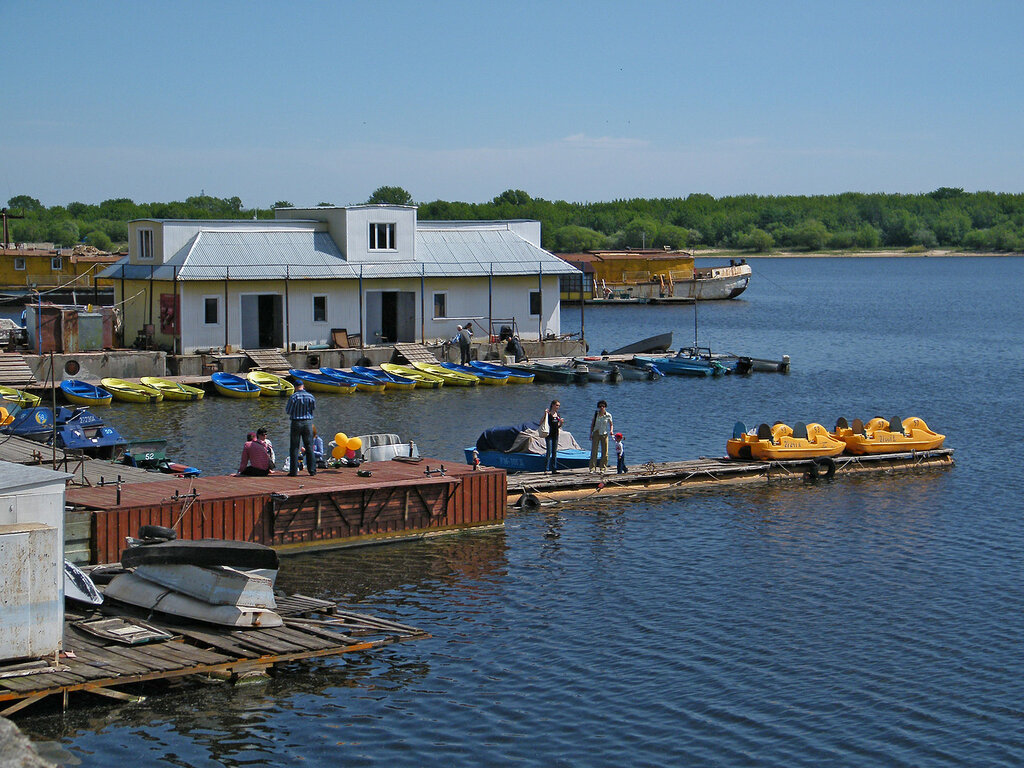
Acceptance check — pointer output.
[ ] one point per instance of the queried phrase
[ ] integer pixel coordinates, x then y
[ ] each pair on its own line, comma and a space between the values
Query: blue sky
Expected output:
583, 101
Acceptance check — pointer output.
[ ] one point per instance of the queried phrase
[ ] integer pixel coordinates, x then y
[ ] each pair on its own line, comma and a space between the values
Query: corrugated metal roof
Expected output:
268, 255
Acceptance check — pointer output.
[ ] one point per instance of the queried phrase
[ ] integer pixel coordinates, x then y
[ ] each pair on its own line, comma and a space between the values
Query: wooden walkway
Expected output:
91, 665
530, 489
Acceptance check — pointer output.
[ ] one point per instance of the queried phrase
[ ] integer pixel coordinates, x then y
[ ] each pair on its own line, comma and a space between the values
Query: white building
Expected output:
373, 270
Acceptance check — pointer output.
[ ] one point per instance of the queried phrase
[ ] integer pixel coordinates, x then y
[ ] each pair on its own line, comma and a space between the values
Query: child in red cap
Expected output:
620, 452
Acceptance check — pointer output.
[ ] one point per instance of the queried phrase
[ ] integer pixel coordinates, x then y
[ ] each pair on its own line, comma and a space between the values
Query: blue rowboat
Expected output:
229, 385
494, 378
321, 382
680, 365
79, 392
363, 383
514, 376
389, 380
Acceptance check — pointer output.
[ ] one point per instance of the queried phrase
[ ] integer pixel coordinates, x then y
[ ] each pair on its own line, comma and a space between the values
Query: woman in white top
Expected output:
600, 429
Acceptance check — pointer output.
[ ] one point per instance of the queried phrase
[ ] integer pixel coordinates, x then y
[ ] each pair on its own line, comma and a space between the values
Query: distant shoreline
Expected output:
936, 253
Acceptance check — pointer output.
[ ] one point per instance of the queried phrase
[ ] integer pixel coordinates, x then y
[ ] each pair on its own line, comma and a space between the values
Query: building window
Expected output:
145, 243
535, 302
382, 237
440, 305
56, 263
211, 310
319, 309
19, 262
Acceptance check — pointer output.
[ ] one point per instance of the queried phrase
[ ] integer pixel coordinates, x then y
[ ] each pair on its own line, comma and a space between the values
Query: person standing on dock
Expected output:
465, 338
620, 454
554, 425
600, 428
300, 409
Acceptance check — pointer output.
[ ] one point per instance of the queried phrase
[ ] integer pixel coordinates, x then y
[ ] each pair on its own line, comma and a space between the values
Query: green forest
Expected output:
946, 218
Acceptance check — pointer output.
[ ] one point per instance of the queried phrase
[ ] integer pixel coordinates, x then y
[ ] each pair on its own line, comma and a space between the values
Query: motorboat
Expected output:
781, 442
423, 379
515, 376
363, 383
385, 447
550, 373
230, 385
321, 382
130, 392
78, 392
78, 587
75, 429
599, 369
520, 448
152, 455
270, 384
878, 436
684, 365
451, 378
246, 555
389, 380
492, 378
216, 584
173, 390
742, 364
18, 397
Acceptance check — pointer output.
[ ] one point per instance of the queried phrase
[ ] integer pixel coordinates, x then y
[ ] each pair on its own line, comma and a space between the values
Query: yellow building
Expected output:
27, 268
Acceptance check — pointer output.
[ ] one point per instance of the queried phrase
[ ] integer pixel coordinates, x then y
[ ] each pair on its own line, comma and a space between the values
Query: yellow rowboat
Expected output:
128, 392
878, 436
270, 384
451, 378
24, 399
172, 390
423, 380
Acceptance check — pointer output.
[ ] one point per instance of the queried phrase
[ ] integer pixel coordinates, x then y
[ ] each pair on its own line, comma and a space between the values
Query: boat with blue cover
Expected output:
321, 382
78, 392
515, 376
389, 380
229, 385
363, 383
684, 365
520, 448
492, 378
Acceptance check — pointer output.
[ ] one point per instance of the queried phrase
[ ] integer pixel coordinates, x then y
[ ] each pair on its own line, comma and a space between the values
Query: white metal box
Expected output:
31, 590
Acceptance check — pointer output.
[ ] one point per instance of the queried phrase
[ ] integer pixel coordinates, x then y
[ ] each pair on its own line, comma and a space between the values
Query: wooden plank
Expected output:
220, 642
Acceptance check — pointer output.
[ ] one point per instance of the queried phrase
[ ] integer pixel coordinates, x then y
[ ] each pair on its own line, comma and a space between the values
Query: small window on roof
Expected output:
382, 237
145, 243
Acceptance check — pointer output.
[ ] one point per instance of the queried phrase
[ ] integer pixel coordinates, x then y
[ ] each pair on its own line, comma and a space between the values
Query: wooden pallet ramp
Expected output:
267, 359
14, 371
415, 353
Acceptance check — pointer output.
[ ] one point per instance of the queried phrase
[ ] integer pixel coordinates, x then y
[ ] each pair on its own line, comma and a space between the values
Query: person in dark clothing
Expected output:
255, 459
555, 422
300, 409
465, 339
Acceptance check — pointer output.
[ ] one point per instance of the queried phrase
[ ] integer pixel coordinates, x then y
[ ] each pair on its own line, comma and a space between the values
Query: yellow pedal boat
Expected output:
878, 436
451, 378
782, 442
17, 397
173, 390
423, 380
270, 384
129, 392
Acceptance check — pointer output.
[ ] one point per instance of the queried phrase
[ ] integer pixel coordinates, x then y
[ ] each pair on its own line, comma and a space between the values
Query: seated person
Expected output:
318, 449
255, 459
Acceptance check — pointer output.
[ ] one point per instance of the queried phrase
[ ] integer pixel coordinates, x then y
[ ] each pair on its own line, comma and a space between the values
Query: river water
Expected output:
864, 621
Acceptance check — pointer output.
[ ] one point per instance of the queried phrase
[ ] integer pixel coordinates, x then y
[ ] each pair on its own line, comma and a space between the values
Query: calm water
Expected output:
867, 621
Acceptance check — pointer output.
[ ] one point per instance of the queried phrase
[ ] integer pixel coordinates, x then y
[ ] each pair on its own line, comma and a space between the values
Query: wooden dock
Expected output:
534, 488
91, 665
338, 507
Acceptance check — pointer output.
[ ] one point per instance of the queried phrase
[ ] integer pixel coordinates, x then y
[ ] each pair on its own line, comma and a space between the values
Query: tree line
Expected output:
947, 217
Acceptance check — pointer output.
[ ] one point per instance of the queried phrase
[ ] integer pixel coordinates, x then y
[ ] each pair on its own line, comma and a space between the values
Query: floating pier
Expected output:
533, 489
90, 664
390, 500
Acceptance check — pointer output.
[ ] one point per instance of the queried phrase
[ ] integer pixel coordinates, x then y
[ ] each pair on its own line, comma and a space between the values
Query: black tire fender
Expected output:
813, 470
529, 501
827, 467
157, 532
